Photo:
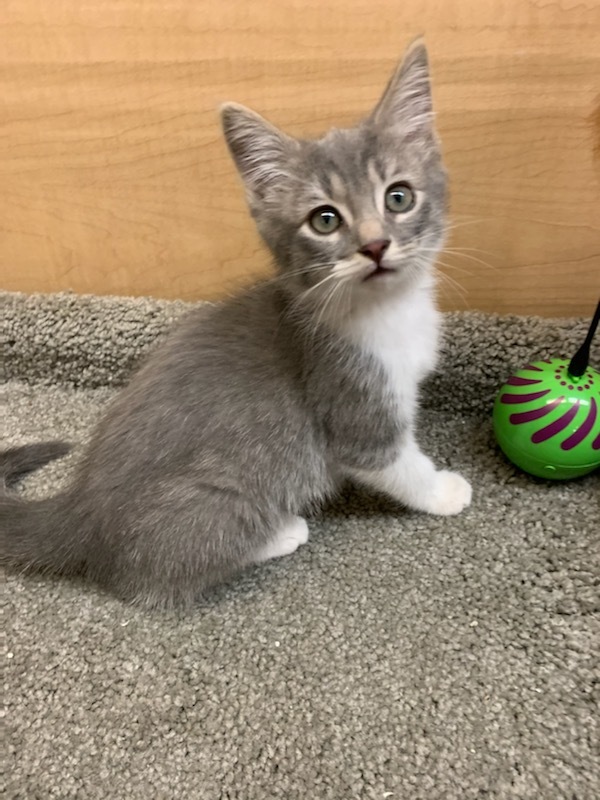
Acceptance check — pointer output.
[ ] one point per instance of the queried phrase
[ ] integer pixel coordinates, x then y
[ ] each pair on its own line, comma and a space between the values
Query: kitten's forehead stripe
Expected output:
337, 185
374, 173
317, 191
382, 167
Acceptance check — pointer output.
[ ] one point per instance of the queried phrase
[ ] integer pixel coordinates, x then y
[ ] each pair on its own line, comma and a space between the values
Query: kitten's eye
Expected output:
325, 220
399, 198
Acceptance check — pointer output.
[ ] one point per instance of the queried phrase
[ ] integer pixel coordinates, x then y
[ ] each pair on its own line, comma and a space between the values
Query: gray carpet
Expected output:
396, 655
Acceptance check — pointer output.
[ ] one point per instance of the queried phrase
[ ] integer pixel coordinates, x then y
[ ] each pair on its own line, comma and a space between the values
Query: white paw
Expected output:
451, 494
286, 541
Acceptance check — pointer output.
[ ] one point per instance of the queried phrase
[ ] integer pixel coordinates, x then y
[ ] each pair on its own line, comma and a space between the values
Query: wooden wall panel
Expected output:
114, 178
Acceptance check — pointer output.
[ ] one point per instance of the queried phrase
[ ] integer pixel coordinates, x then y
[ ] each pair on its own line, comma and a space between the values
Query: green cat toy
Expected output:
547, 415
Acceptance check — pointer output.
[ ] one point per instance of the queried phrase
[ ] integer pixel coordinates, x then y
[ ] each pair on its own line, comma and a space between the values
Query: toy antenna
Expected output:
579, 362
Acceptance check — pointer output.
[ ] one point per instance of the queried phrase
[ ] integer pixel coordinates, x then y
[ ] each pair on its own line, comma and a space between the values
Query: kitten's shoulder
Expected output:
249, 328
250, 310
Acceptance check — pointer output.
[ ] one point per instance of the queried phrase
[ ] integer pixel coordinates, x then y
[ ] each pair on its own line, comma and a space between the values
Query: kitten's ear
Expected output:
259, 150
406, 103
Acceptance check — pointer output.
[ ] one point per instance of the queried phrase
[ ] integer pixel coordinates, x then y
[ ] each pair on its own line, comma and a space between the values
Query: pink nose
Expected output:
375, 250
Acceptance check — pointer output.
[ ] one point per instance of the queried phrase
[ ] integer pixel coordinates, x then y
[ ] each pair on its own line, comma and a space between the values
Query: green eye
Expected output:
399, 198
325, 220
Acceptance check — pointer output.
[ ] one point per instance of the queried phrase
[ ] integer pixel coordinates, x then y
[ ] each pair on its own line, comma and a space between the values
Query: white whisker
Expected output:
467, 253
454, 286
457, 251
302, 297
446, 265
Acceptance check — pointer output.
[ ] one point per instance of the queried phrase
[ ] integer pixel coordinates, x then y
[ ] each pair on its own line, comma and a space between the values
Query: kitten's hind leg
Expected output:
289, 537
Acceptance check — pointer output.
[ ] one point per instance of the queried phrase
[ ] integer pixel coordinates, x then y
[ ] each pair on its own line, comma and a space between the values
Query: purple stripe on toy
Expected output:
533, 368
515, 381
537, 413
523, 398
596, 443
557, 426
575, 438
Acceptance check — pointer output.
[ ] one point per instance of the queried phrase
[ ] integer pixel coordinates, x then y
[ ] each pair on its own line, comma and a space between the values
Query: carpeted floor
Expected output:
395, 656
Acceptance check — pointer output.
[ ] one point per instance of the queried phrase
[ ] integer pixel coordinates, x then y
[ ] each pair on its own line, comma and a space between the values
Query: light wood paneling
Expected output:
115, 179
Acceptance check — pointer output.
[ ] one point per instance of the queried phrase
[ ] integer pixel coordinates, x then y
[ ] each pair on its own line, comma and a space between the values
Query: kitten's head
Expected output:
360, 211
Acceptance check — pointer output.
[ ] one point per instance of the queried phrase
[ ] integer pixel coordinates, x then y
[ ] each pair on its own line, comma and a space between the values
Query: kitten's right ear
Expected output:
259, 149
406, 104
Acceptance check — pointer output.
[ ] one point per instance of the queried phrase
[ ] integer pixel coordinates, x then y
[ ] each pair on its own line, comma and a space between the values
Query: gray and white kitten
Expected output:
255, 410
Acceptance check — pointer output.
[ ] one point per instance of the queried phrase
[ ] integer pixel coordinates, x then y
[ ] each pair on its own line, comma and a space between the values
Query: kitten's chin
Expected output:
390, 281
379, 272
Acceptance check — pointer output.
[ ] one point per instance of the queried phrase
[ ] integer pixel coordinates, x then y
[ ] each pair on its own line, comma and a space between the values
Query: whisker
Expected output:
468, 249
454, 286
460, 252
301, 271
465, 219
473, 258
446, 281
330, 295
333, 299
337, 303
302, 297
312, 325
462, 270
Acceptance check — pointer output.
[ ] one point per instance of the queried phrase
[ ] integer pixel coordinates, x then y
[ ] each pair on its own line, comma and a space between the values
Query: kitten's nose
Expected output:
375, 250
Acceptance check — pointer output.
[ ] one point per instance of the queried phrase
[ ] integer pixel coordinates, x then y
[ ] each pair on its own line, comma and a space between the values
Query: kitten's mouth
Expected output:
379, 271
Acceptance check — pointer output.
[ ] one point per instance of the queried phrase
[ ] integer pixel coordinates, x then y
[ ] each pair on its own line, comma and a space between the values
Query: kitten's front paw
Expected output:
452, 493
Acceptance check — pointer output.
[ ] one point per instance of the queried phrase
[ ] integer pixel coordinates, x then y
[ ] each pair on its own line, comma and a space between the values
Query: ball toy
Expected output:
547, 415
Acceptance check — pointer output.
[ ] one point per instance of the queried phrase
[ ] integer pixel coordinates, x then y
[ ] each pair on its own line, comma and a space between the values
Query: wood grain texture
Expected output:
115, 179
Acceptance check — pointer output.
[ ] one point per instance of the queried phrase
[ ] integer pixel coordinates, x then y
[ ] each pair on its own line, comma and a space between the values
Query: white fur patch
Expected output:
402, 333
287, 540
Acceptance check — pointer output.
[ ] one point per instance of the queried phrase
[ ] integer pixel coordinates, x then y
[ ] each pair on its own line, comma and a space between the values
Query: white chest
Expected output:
403, 335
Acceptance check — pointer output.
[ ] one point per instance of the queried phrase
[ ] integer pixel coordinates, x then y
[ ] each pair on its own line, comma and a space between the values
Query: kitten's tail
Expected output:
34, 533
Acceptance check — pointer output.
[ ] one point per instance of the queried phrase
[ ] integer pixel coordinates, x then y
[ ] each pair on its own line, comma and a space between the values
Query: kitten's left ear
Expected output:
406, 104
261, 152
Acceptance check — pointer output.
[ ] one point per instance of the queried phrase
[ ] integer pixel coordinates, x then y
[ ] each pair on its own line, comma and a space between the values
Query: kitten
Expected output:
255, 410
